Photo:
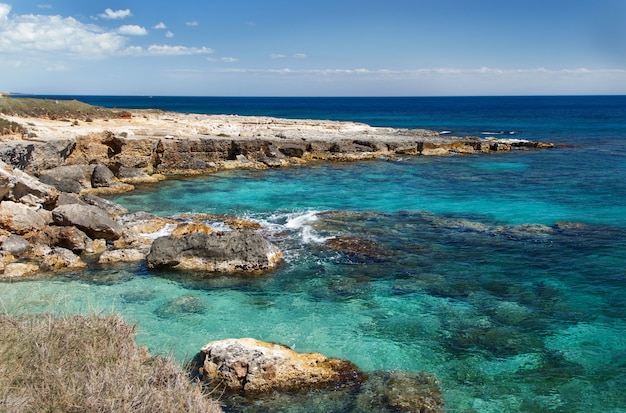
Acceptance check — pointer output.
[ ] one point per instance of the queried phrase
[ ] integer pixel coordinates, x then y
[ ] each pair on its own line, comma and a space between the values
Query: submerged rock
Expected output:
254, 366
185, 304
401, 391
231, 251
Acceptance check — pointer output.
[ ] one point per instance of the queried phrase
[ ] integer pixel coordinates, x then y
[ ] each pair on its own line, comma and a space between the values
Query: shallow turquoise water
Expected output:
503, 275
509, 317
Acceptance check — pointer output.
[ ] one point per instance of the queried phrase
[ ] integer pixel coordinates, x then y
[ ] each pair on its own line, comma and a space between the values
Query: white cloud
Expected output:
4, 12
132, 30
55, 34
278, 56
160, 26
169, 34
166, 50
110, 14
300, 56
223, 59
192, 23
44, 6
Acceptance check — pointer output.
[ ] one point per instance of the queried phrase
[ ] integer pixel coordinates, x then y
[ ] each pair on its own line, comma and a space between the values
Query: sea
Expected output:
503, 275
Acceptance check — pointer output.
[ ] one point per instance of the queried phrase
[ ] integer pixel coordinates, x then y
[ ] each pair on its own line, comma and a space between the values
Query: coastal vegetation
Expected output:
88, 363
57, 109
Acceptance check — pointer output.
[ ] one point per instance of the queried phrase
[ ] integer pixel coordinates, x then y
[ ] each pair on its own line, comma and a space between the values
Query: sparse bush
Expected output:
8, 128
88, 364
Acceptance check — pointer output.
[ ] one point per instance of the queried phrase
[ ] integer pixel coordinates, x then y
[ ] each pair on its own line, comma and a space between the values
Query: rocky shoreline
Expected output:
51, 218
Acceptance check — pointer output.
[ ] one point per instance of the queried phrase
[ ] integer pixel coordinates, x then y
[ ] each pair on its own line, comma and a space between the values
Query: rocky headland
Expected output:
55, 162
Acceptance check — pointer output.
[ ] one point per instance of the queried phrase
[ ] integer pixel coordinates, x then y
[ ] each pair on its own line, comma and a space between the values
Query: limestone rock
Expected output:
15, 245
19, 269
121, 255
58, 258
109, 207
27, 189
232, 251
102, 176
189, 228
92, 220
19, 218
71, 238
255, 366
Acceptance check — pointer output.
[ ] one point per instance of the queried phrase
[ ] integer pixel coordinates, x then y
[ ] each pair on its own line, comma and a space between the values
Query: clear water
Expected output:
503, 275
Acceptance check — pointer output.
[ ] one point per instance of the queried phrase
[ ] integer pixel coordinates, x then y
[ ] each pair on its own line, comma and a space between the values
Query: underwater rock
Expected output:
232, 251
401, 391
185, 304
139, 296
254, 366
357, 246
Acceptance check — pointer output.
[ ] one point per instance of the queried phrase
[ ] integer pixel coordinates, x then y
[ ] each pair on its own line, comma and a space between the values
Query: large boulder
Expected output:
68, 178
102, 176
18, 186
231, 251
92, 220
19, 218
254, 366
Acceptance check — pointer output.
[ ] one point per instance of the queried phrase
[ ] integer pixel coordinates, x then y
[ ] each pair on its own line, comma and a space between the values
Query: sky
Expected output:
313, 47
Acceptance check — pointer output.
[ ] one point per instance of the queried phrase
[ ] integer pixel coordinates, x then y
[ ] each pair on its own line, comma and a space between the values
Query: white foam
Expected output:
300, 220
166, 230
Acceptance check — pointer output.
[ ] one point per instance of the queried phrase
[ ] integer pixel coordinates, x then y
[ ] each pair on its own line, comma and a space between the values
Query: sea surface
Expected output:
503, 275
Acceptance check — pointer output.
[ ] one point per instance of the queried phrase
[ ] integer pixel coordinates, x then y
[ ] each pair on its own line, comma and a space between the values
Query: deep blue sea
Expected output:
503, 275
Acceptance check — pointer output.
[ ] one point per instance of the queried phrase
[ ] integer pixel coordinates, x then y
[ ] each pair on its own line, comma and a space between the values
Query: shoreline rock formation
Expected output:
51, 169
149, 144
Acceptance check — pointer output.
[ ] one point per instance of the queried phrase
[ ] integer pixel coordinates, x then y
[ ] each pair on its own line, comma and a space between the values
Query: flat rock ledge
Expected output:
112, 155
273, 375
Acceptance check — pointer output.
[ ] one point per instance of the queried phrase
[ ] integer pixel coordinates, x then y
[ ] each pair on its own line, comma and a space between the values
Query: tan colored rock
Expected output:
237, 223
96, 246
58, 258
121, 255
19, 218
255, 366
19, 269
186, 229
5, 259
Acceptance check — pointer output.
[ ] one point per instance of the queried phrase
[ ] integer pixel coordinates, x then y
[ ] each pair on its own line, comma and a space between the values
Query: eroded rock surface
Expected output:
231, 251
255, 366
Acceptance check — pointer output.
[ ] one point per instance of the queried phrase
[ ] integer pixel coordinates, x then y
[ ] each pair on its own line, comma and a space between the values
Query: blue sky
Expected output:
313, 47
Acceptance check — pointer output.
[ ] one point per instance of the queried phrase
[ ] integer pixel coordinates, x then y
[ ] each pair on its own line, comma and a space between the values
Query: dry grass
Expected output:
56, 109
88, 364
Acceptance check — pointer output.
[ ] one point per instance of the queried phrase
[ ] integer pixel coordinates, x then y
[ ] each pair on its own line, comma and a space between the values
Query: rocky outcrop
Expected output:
150, 144
231, 251
276, 376
254, 366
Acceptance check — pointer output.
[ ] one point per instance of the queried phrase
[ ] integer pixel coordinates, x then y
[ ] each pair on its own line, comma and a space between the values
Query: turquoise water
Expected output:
503, 275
